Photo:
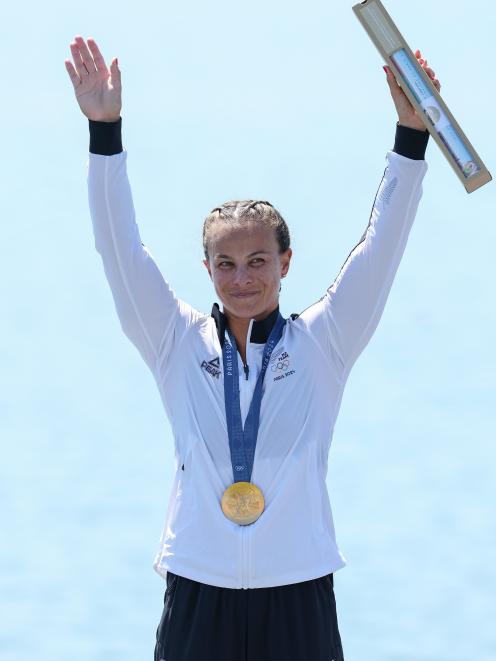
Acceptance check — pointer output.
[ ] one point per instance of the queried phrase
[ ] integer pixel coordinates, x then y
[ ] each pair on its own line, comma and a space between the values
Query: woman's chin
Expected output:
245, 306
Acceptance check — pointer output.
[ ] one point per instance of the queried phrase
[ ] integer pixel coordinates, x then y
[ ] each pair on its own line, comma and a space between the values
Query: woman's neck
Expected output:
239, 328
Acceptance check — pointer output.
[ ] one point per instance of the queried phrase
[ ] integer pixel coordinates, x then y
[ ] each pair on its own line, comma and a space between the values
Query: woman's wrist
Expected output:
410, 142
105, 137
418, 126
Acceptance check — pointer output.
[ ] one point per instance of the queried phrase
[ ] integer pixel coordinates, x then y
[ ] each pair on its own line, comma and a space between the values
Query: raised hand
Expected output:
97, 89
407, 114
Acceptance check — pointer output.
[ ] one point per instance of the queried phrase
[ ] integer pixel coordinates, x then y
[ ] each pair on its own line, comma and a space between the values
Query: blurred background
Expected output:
280, 101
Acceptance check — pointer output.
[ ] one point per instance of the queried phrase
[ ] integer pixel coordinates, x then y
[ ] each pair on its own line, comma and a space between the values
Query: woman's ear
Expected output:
207, 266
285, 261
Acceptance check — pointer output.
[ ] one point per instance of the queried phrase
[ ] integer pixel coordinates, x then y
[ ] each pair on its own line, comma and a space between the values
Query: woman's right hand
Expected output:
97, 89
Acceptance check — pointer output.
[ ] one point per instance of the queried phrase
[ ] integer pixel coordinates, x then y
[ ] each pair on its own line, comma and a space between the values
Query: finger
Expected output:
78, 61
394, 88
115, 73
86, 55
417, 53
76, 80
391, 79
97, 56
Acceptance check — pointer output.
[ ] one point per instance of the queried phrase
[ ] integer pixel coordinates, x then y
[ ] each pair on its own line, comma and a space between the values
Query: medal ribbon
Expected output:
242, 442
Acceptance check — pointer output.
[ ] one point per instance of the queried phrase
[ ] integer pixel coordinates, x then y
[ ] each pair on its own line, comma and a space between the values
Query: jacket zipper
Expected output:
244, 531
243, 556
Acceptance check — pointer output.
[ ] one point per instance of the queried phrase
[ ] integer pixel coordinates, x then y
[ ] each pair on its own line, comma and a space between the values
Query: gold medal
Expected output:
243, 502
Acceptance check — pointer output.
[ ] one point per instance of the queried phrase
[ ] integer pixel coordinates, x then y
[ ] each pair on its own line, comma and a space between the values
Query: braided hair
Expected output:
236, 212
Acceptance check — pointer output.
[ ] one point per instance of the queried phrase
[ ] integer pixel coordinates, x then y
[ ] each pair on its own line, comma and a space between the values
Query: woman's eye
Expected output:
257, 262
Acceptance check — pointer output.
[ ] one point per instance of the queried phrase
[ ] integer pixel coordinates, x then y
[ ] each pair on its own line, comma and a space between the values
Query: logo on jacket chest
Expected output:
280, 365
212, 367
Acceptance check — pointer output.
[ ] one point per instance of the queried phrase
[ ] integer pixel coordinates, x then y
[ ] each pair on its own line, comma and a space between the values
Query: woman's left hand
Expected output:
407, 114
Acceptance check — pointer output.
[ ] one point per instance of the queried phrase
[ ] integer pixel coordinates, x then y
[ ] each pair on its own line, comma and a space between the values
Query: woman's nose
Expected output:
242, 275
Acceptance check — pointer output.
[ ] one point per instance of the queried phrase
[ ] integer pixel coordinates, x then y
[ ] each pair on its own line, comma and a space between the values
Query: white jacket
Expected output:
294, 539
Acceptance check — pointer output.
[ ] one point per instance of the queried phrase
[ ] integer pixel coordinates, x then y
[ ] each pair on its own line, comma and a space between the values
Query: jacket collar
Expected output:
260, 329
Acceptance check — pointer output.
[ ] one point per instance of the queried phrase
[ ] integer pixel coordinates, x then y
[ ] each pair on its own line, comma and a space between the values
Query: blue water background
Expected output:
285, 102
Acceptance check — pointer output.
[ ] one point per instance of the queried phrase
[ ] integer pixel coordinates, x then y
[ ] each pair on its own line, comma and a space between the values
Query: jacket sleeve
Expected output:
149, 313
345, 318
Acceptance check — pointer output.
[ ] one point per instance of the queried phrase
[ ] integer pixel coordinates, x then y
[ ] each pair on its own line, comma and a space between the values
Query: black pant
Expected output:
295, 622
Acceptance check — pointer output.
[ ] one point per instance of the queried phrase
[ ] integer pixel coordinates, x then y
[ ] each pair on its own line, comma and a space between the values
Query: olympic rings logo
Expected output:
280, 365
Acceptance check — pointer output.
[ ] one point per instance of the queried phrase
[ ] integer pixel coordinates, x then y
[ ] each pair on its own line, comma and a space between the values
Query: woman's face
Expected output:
246, 268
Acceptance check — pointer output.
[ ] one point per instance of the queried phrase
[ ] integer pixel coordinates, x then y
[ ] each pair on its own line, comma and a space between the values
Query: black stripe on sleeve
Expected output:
411, 143
105, 137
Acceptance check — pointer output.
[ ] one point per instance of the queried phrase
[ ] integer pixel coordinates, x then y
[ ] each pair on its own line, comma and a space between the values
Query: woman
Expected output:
248, 549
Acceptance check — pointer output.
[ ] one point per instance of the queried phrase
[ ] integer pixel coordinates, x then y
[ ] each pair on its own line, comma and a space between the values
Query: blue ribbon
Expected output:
242, 442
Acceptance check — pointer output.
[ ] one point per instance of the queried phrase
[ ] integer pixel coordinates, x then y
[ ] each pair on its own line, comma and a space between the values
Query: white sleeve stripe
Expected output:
122, 271
364, 235
387, 283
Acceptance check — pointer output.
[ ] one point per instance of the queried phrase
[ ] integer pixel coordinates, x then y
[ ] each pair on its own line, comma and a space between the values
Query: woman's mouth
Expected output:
245, 294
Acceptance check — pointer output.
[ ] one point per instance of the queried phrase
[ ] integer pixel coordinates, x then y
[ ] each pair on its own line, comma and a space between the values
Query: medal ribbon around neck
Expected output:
242, 442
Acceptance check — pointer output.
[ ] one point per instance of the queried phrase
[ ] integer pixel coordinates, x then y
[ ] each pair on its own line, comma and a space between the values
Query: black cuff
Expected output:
105, 137
411, 143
